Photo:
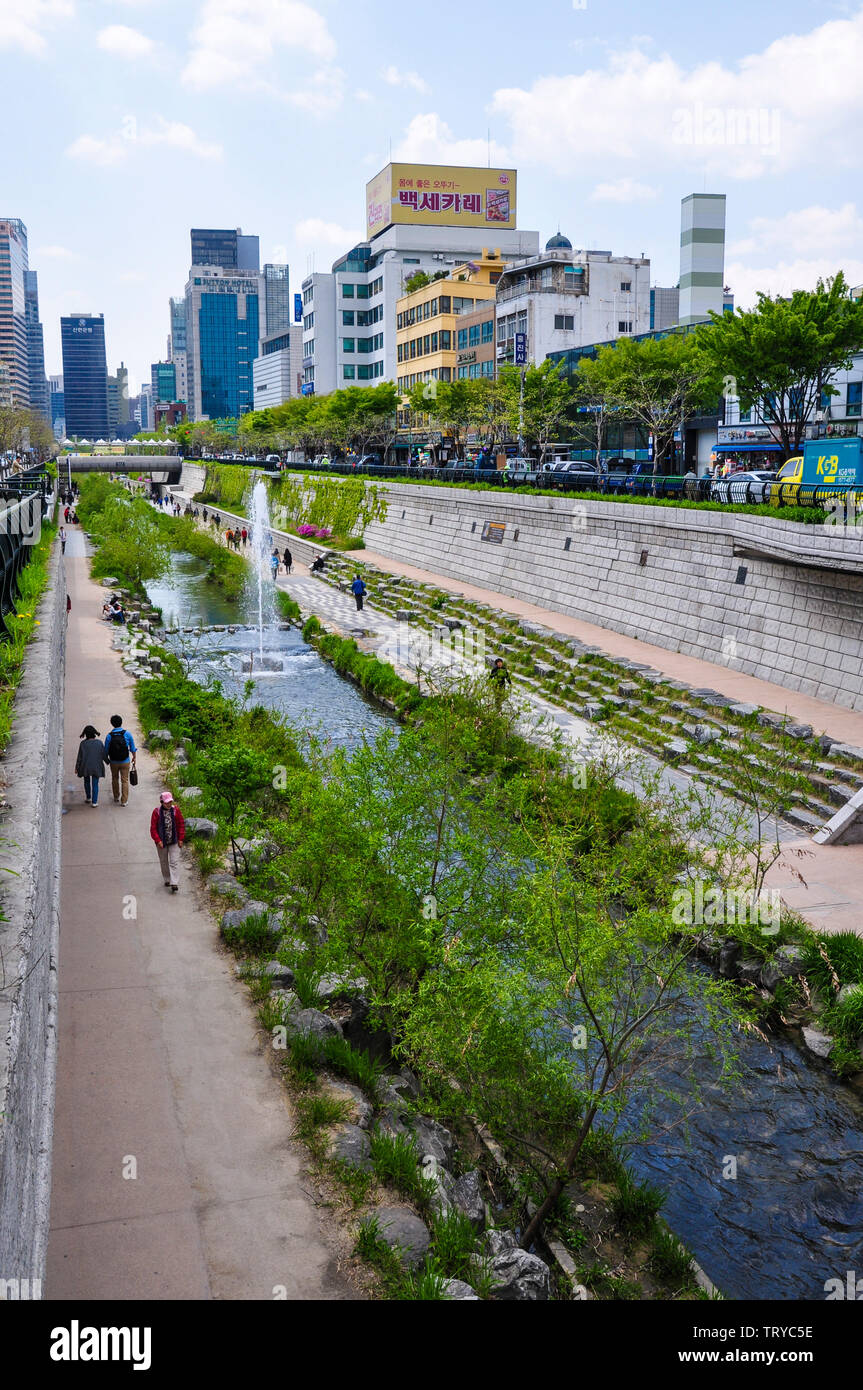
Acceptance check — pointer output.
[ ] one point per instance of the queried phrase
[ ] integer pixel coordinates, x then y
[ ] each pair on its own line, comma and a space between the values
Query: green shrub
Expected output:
670, 1259
395, 1162
635, 1205
253, 938
453, 1242
357, 1066
844, 952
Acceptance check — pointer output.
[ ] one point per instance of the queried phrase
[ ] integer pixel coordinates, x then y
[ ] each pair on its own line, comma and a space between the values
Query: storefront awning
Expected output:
744, 448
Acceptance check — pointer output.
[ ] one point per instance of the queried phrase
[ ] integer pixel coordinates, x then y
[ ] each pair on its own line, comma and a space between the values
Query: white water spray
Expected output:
263, 592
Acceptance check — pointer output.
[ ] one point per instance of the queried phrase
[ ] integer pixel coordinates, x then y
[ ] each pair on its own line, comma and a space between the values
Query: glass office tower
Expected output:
85, 376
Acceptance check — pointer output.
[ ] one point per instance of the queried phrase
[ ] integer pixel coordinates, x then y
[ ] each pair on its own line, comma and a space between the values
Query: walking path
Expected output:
161, 1067
823, 882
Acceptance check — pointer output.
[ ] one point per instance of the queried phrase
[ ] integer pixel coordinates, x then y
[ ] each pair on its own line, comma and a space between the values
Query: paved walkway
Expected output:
160, 1060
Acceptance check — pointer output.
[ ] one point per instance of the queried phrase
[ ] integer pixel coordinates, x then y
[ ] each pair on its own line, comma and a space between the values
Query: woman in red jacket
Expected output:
168, 831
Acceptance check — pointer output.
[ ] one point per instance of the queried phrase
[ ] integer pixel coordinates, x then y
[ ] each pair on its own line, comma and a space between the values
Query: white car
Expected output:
750, 485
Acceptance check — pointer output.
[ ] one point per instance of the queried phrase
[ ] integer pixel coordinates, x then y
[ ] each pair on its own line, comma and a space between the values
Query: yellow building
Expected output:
427, 321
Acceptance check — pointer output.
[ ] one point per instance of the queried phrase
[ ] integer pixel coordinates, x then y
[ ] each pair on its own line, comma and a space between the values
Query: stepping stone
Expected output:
629, 689
743, 711
674, 750
804, 819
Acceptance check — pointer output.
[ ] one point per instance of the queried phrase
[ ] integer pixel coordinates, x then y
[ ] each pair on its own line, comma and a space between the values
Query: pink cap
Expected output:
166, 797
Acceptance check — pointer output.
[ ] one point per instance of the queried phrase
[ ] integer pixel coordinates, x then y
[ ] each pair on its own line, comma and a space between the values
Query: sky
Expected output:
138, 119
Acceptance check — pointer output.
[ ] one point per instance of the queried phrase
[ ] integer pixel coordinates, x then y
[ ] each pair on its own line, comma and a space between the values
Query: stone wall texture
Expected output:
29, 936
794, 617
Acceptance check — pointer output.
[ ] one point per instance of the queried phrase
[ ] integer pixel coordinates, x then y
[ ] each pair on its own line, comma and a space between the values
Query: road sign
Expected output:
521, 349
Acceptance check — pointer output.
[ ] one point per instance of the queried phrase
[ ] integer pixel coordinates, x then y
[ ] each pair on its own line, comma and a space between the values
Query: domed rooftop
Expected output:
558, 243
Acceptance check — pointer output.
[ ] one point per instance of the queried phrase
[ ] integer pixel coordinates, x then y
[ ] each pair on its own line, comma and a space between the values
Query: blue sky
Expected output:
140, 118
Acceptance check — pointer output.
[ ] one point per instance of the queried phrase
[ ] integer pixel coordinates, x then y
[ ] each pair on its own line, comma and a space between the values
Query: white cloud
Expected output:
323, 93
784, 276
396, 77
314, 231
23, 23
123, 42
237, 41
362, 95
116, 148
53, 253
837, 230
623, 191
786, 107
429, 140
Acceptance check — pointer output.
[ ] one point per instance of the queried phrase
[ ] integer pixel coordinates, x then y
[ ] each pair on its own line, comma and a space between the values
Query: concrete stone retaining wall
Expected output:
717, 585
29, 935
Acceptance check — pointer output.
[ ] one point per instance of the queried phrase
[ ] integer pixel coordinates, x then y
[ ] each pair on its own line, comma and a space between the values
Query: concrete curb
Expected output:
29, 941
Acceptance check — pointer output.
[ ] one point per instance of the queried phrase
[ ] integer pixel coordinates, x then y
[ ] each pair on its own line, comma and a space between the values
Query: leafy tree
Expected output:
656, 382
450, 405
238, 775
782, 354
420, 279
547, 402
132, 543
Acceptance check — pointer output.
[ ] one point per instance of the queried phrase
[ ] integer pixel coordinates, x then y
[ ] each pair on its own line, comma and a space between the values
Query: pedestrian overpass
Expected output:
164, 468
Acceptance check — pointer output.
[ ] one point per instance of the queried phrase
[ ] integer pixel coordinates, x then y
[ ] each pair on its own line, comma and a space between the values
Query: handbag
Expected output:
133, 777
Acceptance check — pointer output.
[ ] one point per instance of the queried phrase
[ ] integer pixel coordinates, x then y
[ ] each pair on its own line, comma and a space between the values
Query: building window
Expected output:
446, 372
473, 335
433, 311
348, 318
411, 260
445, 304
445, 339
625, 286
434, 342
347, 291
349, 371
362, 291
462, 339
488, 331
564, 321
624, 326
855, 397
347, 344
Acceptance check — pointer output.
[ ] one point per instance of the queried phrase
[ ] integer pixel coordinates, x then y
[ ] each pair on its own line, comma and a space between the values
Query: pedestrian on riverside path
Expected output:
288, 559
229, 538
90, 763
274, 564
237, 540
358, 589
245, 535
118, 743
168, 831
61, 536
204, 514
66, 514
500, 679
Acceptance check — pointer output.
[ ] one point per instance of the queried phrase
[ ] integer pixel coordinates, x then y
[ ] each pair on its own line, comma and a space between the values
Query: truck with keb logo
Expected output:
824, 463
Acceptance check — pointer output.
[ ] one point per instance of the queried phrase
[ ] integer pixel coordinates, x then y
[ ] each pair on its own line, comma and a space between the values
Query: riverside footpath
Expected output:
174, 1174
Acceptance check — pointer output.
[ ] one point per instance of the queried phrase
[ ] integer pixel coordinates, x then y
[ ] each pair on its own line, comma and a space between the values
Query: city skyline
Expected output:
265, 116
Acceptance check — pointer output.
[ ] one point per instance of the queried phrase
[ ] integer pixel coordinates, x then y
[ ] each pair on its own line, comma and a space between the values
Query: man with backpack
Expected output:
122, 756
358, 589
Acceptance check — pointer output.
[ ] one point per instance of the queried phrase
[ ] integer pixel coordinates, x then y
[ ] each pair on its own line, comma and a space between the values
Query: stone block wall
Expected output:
29, 935
723, 586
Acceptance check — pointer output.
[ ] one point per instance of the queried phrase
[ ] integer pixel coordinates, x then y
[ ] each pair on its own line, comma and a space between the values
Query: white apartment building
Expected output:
564, 299
349, 316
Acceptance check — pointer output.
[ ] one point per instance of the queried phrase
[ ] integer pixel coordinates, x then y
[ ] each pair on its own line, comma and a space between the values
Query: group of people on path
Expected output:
117, 753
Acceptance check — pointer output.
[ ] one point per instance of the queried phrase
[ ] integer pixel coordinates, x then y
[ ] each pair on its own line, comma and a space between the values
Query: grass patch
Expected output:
453, 1242
395, 1162
357, 1066
670, 1259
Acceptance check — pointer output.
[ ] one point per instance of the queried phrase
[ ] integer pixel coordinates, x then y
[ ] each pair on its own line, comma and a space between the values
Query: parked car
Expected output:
272, 458
748, 485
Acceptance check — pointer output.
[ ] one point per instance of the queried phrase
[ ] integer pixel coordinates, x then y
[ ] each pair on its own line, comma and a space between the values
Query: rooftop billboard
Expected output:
438, 195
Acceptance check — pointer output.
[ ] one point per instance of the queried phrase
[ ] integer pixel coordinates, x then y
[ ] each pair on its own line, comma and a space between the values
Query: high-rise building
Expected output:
85, 375
702, 256
228, 249
144, 410
35, 347
177, 345
57, 406
277, 293
277, 370
118, 403
14, 344
163, 383
224, 318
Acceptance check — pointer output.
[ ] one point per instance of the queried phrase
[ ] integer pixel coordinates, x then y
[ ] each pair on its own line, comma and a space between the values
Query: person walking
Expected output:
204, 514
168, 831
244, 533
229, 538
500, 678
66, 514
288, 559
61, 536
122, 756
90, 763
274, 564
68, 607
358, 589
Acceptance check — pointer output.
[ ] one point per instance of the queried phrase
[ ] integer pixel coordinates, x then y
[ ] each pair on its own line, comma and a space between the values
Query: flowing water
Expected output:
793, 1216
263, 589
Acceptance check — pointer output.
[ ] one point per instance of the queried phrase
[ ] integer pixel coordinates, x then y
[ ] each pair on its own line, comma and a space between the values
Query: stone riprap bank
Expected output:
771, 598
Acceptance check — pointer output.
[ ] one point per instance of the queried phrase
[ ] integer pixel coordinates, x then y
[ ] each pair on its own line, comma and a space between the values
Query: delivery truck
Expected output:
824, 462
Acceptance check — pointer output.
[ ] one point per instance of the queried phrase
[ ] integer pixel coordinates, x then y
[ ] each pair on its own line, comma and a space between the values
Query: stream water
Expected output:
793, 1216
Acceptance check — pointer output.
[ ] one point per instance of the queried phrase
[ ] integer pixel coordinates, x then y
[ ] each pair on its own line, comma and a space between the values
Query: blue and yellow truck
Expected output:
824, 463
